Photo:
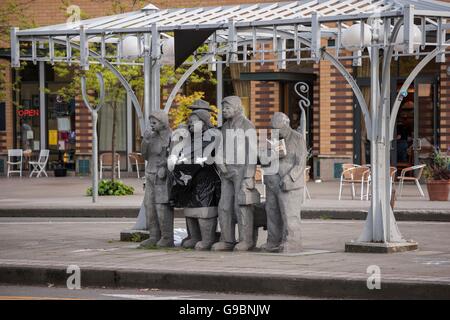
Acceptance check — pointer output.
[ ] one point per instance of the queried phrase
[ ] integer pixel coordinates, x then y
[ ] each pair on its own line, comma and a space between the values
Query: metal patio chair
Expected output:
39, 166
15, 158
136, 159
416, 178
106, 162
392, 172
354, 174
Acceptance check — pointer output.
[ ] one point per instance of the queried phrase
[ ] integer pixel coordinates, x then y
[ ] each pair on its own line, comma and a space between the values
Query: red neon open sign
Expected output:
28, 113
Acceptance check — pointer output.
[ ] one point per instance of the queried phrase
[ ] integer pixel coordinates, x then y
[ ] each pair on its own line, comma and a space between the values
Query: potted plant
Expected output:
437, 174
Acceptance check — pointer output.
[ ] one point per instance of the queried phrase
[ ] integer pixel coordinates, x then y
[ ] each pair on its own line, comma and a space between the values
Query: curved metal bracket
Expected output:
183, 79
123, 81
101, 102
388, 56
358, 94
407, 83
385, 82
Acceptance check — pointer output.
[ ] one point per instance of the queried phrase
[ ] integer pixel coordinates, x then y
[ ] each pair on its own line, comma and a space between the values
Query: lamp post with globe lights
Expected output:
380, 232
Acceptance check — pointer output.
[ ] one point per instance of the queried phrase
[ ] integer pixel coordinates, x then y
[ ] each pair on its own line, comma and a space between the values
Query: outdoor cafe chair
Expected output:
354, 174
392, 172
15, 157
136, 159
39, 166
106, 162
416, 178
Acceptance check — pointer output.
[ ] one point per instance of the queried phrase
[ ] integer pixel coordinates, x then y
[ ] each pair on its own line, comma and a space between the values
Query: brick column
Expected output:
83, 131
334, 120
265, 95
7, 136
341, 112
316, 113
325, 108
445, 106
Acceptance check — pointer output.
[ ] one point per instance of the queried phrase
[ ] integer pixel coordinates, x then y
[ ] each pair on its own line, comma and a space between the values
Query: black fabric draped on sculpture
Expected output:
194, 185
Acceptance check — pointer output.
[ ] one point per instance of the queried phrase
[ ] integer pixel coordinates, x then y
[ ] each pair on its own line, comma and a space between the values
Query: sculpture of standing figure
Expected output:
196, 186
238, 191
284, 191
155, 149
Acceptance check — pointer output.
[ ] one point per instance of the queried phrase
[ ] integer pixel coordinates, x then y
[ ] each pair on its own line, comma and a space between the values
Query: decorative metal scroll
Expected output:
302, 90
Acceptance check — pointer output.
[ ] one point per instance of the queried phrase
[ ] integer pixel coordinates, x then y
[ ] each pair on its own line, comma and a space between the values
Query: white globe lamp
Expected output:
168, 51
417, 38
130, 46
351, 37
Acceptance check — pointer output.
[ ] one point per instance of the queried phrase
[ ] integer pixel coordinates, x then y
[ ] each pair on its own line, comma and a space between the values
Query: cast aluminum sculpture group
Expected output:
208, 189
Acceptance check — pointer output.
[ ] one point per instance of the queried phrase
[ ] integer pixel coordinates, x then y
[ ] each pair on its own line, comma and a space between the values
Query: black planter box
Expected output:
60, 172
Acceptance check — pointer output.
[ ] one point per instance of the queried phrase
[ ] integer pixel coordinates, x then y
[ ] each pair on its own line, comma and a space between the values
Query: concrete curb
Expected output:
72, 212
230, 282
132, 212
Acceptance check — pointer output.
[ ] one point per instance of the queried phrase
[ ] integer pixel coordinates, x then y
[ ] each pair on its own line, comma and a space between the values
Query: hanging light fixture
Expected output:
168, 51
417, 39
351, 37
130, 47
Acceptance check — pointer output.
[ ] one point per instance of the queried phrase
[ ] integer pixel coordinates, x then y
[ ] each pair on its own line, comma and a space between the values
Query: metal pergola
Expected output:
387, 29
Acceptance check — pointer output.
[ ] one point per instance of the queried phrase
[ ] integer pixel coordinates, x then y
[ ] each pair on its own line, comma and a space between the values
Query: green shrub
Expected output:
112, 188
438, 167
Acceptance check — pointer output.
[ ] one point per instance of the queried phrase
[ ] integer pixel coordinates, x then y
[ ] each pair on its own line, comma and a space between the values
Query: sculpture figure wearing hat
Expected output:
238, 191
196, 183
284, 190
155, 149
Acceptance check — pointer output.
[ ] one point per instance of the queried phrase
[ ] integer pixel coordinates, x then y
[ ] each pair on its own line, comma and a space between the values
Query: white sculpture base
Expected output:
380, 247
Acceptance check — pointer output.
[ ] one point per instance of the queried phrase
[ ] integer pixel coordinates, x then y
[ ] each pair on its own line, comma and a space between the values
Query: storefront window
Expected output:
61, 130
59, 135
105, 127
27, 110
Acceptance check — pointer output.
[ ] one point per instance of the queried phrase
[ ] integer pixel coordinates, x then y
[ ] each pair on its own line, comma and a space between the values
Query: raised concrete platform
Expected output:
374, 247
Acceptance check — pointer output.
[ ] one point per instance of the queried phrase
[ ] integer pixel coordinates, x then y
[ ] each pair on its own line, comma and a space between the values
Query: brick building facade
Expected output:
333, 124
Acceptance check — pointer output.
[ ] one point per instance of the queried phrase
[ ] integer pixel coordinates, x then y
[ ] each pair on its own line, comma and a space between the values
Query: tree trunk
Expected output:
113, 141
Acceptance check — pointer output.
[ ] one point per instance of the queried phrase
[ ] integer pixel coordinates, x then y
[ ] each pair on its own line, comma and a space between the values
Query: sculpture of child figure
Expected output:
159, 215
196, 183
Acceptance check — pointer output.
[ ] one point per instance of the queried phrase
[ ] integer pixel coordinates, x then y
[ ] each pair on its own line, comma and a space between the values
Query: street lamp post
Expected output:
380, 233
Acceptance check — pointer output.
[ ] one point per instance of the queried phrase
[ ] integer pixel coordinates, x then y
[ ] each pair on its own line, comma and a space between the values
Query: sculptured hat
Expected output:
200, 105
161, 116
204, 115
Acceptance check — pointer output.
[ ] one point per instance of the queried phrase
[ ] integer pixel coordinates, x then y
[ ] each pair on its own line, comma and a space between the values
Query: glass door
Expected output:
425, 118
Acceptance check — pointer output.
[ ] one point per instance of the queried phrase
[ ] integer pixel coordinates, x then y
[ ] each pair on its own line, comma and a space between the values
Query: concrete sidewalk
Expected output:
65, 197
37, 252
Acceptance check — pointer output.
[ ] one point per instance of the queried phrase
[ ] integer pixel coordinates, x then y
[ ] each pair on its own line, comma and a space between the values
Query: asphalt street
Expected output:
59, 293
